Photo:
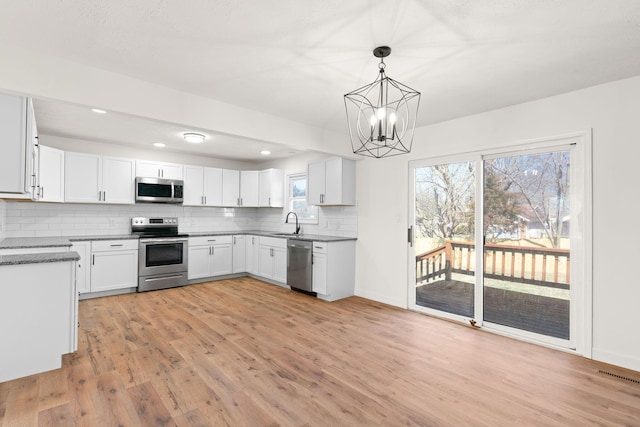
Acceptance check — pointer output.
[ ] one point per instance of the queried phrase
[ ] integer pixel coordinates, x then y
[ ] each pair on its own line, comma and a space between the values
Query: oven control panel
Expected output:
154, 222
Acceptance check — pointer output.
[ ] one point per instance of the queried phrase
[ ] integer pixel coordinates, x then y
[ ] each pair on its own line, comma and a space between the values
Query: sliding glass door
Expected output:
492, 240
527, 246
444, 208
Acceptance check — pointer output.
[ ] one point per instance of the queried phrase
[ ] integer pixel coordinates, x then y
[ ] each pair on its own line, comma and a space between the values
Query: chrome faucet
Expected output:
286, 221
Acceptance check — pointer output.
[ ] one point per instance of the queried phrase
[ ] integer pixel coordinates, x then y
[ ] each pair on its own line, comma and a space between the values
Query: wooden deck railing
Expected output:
539, 266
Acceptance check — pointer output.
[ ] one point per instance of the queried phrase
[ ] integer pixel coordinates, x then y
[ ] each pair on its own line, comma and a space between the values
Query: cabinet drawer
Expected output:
275, 242
319, 247
210, 240
114, 245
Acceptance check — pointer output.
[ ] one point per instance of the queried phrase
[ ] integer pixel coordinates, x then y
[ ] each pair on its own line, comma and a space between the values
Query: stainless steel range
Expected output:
162, 254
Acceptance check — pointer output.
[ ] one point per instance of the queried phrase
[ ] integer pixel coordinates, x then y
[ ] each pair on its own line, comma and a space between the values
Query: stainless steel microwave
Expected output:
159, 190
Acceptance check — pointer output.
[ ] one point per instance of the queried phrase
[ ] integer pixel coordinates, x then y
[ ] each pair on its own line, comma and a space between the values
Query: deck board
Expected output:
534, 313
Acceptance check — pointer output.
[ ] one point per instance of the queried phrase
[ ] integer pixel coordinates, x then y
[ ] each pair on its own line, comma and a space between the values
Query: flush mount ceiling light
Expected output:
159, 144
99, 111
265, 152
195, 138
382, 115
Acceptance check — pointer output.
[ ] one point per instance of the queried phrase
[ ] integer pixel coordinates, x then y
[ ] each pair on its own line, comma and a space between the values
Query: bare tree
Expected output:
444, 194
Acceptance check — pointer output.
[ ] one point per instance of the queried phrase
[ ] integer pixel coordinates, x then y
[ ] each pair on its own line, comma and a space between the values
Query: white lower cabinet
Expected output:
38, 317
252, 254
333, 275
239, 254
83, 266
114, 265
210, 256
272, 259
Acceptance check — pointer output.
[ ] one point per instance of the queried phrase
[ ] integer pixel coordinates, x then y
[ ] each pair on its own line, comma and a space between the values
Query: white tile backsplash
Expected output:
28, 219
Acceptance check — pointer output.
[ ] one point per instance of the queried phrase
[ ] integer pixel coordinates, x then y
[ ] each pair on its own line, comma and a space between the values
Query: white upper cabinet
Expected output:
118, 180
146, 168
331, 181
249, 188
96, 179
230, 187
51, 174
239, 188
82, 178
272, 188
18, 145
202, 186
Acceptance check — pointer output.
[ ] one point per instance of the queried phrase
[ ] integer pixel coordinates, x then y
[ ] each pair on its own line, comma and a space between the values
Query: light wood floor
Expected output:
245, 353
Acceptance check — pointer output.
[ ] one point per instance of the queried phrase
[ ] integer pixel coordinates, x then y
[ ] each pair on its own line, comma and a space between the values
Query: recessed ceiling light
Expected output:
99, 111
195, 138
158, 144
265, 152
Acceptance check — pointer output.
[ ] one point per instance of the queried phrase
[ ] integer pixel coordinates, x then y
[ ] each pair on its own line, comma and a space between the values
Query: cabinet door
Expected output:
83, 266
51, 174
280, 265
272, 188
118, 180
199, 262
114, 270
222, 262
212, 187
332, 181
230, 187
249, 188
315, 181
193, 186
82, 177
13, 139
265, 262
239, 254
252, 255
171, 171
148, 169
319, 279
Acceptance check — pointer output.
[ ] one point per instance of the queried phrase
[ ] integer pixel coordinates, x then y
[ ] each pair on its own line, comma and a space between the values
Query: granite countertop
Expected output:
39, 258
103, 237
307, 237
55, 242
34, 242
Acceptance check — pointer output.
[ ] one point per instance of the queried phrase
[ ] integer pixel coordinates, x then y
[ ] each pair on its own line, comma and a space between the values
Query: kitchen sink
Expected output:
286, 234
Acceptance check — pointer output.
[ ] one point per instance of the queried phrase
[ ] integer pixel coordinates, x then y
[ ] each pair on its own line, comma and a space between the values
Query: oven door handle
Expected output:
163, 240
154, 279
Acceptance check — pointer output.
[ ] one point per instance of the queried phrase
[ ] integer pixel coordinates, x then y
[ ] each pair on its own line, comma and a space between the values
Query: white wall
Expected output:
611, 110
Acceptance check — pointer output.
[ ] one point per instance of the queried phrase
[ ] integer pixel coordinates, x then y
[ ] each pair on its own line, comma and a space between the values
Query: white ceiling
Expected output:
297, 58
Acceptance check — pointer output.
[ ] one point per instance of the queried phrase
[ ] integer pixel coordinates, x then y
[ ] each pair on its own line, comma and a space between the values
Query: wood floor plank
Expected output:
243, 352
149, 407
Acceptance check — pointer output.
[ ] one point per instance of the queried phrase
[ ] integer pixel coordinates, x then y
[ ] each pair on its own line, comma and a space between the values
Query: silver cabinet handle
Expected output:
104, 196
234, 240
116, 246
93, 260
205, 200
269, 201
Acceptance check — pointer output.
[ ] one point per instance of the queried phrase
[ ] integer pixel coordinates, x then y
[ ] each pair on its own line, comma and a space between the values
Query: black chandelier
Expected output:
382, 115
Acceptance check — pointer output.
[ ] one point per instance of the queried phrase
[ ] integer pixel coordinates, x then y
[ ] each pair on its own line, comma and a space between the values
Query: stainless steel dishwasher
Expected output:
299, 268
